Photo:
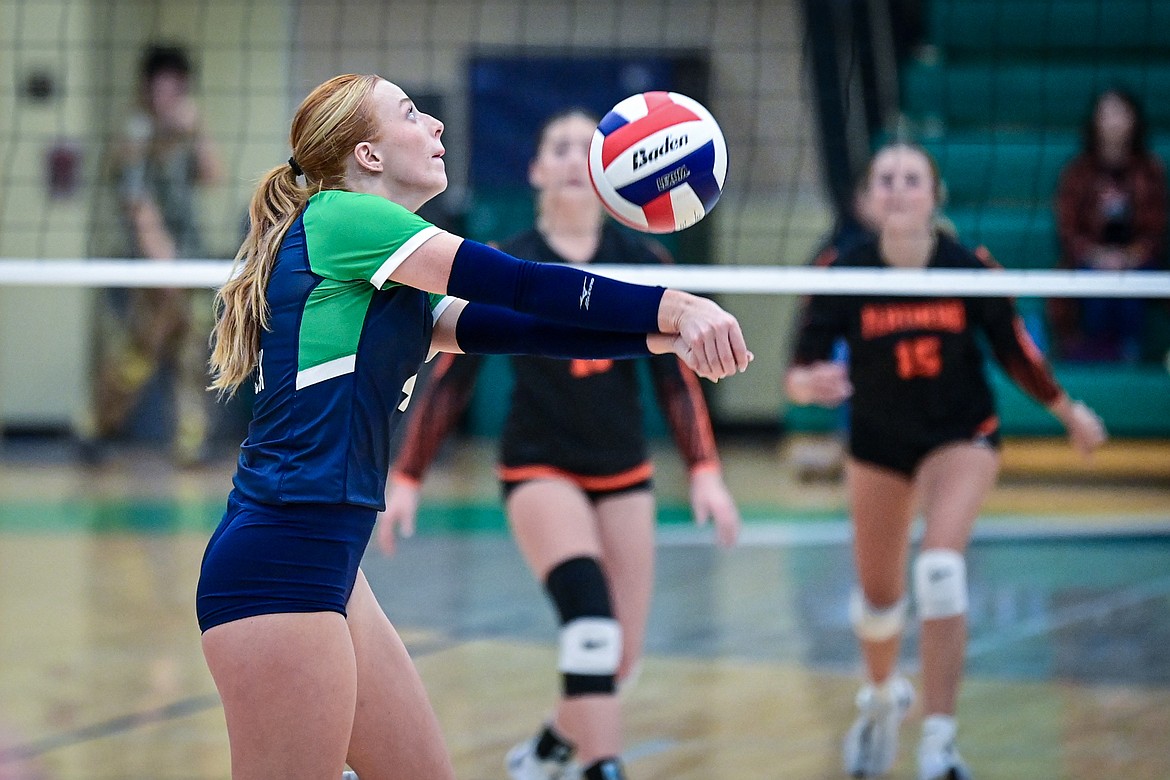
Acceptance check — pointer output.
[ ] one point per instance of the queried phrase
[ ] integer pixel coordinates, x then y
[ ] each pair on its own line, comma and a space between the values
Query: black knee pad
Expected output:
590, 638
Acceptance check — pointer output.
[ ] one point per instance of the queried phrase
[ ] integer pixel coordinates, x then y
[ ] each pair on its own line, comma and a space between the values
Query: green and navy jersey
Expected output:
338, 362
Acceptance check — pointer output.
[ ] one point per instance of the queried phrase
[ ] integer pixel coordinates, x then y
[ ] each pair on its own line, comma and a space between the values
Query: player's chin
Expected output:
438, 184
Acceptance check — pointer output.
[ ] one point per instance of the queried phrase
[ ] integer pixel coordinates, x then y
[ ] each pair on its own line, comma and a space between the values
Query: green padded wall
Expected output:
998, 97
1026, 94
1049, 27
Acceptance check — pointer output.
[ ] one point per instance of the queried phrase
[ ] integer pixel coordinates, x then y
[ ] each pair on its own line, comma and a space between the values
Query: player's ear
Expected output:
368, 157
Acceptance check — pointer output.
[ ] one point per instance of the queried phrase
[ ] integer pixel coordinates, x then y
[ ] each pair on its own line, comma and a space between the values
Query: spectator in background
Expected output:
1111, 216
162, 157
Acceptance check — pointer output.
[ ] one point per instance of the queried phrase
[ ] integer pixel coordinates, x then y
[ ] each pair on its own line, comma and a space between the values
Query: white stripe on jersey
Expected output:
333, 368
441, 307
400, 254
437, 312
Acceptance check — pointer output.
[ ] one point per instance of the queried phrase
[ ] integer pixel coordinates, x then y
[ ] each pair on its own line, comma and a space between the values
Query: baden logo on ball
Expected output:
658, 161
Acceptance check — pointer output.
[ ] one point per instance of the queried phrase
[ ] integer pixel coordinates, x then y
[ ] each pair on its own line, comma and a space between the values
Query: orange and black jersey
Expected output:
580, 417
916, 362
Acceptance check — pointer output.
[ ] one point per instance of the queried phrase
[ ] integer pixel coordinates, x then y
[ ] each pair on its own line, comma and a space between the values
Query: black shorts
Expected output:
594, 487
270, 559
904, 451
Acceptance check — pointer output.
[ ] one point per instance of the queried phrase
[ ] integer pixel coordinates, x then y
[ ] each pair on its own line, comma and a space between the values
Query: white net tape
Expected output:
701, 279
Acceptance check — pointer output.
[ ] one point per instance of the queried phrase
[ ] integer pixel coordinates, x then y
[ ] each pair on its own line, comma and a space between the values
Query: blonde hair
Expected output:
334, 118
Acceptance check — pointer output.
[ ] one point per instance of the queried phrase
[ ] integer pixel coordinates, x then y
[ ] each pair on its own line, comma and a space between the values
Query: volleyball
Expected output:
658, 161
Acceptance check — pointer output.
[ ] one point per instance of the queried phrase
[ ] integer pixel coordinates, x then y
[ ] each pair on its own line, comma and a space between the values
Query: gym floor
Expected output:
751, 666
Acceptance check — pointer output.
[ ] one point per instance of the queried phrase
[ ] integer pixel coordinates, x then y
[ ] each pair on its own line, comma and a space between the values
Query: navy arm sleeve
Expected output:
552, 291
488, 330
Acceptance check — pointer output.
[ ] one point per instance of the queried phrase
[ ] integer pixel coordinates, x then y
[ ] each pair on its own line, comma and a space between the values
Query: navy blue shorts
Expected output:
267, 559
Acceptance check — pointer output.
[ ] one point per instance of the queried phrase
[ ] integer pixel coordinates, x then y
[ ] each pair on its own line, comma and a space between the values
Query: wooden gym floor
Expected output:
751, 666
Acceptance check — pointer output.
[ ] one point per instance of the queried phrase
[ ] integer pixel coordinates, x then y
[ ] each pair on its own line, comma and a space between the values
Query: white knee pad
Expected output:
873, 624
940, 584
590, 645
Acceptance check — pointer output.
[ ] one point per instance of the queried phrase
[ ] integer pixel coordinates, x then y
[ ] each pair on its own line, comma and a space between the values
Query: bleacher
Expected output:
998, 95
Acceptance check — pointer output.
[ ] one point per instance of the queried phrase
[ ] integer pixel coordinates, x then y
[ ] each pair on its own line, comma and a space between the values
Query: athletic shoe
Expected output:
872, 742
937, 757
523, 764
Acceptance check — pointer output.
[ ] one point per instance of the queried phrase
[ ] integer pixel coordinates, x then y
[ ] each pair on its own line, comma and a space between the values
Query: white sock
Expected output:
940, 727
886, 687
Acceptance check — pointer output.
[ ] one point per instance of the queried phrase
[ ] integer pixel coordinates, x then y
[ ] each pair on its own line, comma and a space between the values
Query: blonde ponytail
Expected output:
328, 124
241, 303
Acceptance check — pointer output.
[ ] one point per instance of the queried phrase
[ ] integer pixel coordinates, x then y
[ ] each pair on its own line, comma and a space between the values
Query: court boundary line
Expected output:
785, 533
121, 724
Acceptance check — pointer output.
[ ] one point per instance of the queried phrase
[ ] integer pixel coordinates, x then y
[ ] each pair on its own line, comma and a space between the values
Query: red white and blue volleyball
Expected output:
658, 161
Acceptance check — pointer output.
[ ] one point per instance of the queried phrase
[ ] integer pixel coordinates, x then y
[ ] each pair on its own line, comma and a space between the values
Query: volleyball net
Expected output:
731, 279
803, 90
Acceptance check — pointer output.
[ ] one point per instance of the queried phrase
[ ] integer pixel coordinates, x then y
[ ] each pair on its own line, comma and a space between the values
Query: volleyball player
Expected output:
336, 298
575, 472
923, 431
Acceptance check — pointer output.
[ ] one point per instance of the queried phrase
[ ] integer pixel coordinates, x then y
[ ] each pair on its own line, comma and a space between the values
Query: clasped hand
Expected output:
705, 337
